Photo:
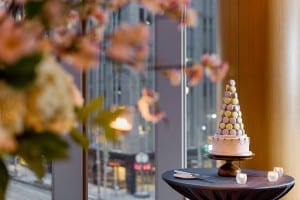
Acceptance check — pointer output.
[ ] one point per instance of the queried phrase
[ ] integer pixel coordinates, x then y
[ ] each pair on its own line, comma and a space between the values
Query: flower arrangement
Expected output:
39, 101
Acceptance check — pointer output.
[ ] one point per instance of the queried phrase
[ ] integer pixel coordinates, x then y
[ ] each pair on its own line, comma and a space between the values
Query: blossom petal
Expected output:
195, 74
174, 76
145, 102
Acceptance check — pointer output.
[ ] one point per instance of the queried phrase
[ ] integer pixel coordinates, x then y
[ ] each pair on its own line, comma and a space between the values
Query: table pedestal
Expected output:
229, 169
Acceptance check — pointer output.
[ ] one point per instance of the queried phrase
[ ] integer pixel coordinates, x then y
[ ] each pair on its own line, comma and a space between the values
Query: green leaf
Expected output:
104, 119
111, 134
36, 164
79, 138
21, 73
4, 177
33, 8
36, 148
94, 104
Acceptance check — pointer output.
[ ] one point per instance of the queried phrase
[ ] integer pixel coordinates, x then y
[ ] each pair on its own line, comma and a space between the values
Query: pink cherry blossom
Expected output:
129, 44
191, 18
178, 10
195, 74
214, 68
63, 37
8, 143
174, 76
15, 41
85, 56
73, 19
210, 60
217, 73
148, 99
100, 15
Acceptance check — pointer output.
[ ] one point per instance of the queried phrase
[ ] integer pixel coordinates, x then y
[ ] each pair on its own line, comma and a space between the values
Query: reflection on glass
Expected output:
117, 170
24, 184
201, 99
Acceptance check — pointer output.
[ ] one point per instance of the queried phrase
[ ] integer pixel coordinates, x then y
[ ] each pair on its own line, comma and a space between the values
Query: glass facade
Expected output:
201, 99
113, 169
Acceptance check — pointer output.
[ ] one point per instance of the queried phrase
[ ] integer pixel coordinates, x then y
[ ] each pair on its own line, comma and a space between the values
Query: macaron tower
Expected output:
230, 137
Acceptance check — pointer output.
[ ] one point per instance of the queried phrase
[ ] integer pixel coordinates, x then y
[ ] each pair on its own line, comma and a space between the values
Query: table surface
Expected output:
227, 186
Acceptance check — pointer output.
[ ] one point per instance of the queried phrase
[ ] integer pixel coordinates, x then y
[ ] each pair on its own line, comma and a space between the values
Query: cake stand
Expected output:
229, 169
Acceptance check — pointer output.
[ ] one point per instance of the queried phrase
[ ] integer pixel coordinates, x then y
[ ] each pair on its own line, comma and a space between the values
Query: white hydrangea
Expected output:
12, 111
52, 98
8, 142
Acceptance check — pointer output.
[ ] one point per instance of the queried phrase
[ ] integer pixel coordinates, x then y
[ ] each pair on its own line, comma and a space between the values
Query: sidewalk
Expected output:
24, 175
21, 191
25, 185
110, 194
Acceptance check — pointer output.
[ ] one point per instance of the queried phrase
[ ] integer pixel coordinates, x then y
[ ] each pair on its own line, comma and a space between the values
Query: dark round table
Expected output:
219, 188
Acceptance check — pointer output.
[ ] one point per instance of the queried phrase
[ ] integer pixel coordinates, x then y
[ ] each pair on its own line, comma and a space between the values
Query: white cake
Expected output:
230, 138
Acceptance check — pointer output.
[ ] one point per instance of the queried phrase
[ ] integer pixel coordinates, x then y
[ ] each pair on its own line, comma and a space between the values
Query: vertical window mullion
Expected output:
169, 150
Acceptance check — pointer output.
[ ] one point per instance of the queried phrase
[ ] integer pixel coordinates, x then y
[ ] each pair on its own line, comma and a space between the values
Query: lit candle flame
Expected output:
121, 124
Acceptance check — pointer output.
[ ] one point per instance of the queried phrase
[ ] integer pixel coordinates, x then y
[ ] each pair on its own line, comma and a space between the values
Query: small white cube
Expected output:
279, 170
272, 176
241, 178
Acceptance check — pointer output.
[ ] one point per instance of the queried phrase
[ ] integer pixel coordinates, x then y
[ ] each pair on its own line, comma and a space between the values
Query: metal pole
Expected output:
142, 177
105, 160
98, 169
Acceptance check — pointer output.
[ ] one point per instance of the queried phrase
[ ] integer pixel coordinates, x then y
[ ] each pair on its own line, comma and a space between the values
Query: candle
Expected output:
279, 170
241, 178
272, 176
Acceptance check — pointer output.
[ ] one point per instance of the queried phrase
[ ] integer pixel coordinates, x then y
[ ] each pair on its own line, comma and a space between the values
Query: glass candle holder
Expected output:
241, 178
272, 176
279, 170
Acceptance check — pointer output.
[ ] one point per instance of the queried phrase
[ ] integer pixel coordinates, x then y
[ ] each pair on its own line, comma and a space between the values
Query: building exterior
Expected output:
120, 85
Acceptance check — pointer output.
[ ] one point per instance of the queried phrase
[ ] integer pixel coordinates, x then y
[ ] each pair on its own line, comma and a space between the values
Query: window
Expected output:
201, 99
115, 170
